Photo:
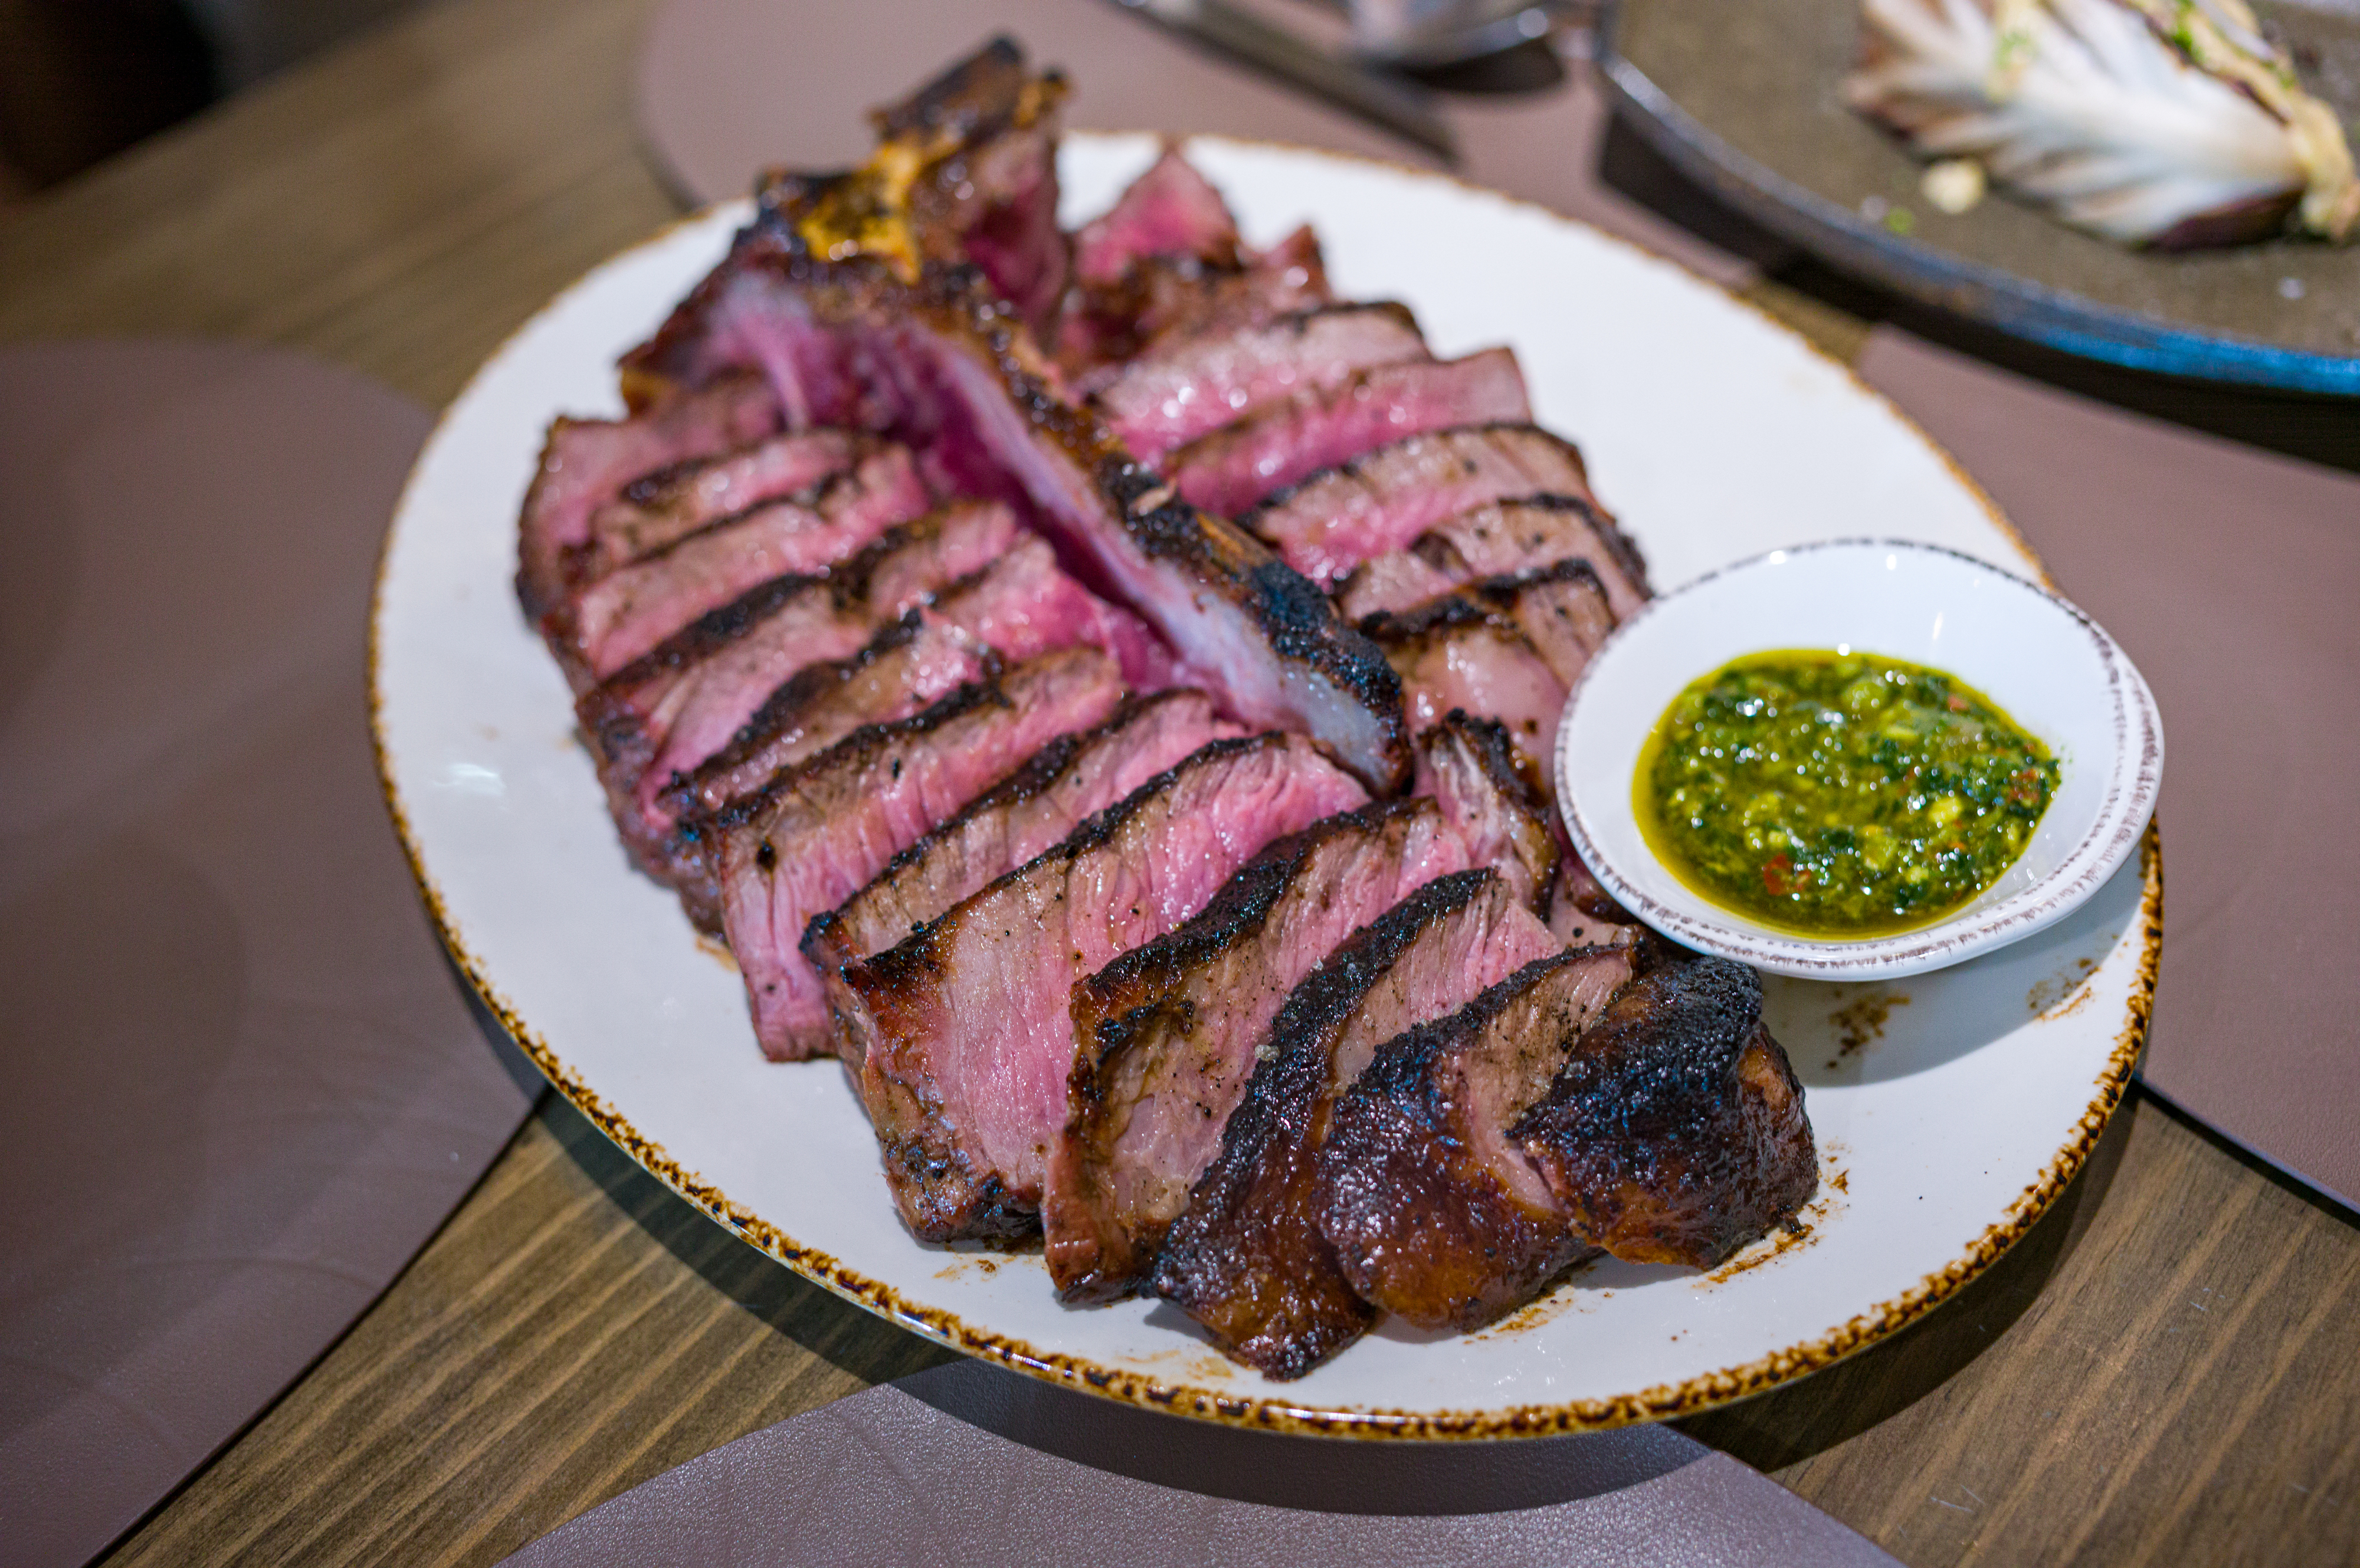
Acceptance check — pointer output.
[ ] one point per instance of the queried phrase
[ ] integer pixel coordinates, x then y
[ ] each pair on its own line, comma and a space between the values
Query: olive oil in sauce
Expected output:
1835, 794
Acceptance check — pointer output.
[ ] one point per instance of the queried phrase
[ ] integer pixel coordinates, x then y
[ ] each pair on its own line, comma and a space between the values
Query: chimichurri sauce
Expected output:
1839, 794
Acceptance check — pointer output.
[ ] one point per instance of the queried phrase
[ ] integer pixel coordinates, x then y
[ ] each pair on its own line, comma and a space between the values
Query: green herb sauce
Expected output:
1839, 794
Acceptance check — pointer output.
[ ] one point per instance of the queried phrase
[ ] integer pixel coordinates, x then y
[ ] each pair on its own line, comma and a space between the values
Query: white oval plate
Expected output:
2051, 668
1715, 433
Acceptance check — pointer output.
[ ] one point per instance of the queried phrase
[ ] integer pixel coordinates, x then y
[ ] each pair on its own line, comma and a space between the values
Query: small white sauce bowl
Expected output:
2047, 665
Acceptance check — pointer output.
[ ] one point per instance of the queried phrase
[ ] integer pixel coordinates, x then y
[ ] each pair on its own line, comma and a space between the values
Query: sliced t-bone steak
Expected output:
670, 710
1274, 446
1172, 211
820, 831
1499, 540
1454, 653
1382, 500
1676, 1132
905, 667
635, 607
673, 503
586, 462
1025, 814
1168, 1031
1247, 1258
1435, 1213
966, 1072
1469, 769
943, 366
1562, 610
1193, 385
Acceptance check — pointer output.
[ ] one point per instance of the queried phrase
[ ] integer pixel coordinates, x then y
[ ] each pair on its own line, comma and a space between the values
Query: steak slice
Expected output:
964, 1074
1025, 814
1676, 1133
1166, 297
631, 610
1314, 429
586, 462
670, 710
1468, 766
820, 831
1454, 653
1499, 540
1168, 1031
943, 367
1561, 610
1024, 604
1380, 501
1192, 387
909, 665
658, 508
1435, 1212
1247, 1258
1170, 211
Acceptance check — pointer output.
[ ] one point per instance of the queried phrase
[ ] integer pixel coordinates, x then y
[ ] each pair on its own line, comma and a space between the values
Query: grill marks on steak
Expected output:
1247, 1258
965, 1074
1025, 814
1434, 1212
1238, 465
1454, 653
670, 710
1499, 540
1168, 1031
586, 462
1676, 1132
1166, 297
1189, 387
823, 829
633, 609
1382, 500
669, 503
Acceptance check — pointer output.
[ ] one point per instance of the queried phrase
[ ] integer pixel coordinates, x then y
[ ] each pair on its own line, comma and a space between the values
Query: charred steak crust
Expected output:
1167, 1031
1247, 1258
1470, 764
1351, 468
1434, 1213
1676, 1133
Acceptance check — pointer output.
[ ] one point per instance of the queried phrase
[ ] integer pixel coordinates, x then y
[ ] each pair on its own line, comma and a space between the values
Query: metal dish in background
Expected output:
1741, 96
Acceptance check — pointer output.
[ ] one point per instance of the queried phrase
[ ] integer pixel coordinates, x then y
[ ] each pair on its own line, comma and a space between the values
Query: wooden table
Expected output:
2167, 1370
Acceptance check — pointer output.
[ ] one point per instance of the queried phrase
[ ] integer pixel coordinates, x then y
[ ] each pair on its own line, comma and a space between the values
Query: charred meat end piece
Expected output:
1434, 1212
1382, 500
1247, 1258
1026, 815
1276, 446
966, 1074
1168, 1031
1675, 1132
586, 462
1499, 540
1192, 387
821, 830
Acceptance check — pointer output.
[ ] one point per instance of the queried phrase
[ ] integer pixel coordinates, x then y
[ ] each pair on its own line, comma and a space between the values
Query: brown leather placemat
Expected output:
967, 1464
726, 87
2232, 577
243, 1086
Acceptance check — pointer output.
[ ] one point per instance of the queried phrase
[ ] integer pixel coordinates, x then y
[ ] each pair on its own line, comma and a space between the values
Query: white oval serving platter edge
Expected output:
1950, 1110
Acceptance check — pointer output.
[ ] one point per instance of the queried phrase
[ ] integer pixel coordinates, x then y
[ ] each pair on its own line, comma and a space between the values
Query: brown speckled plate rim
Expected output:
2010, 301
1272, 1412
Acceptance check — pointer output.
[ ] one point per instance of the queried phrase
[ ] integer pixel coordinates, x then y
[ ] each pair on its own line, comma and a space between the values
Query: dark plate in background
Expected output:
1741, 97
